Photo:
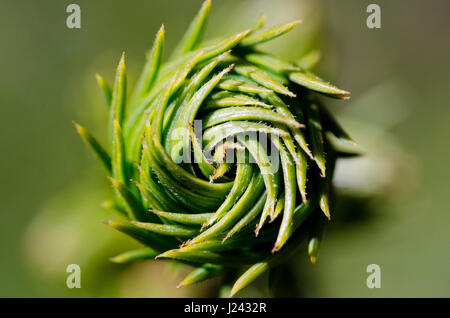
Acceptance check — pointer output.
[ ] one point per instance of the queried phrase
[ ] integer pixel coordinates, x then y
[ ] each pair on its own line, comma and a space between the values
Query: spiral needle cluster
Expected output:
223, 156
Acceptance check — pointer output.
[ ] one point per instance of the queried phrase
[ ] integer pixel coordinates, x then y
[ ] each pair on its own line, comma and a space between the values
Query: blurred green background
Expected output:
394, 212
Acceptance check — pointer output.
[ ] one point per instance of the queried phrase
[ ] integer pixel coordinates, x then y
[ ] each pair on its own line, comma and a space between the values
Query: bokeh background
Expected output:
393, 209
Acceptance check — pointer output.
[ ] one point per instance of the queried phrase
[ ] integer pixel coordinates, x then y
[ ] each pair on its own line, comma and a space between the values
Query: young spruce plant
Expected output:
222, 157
